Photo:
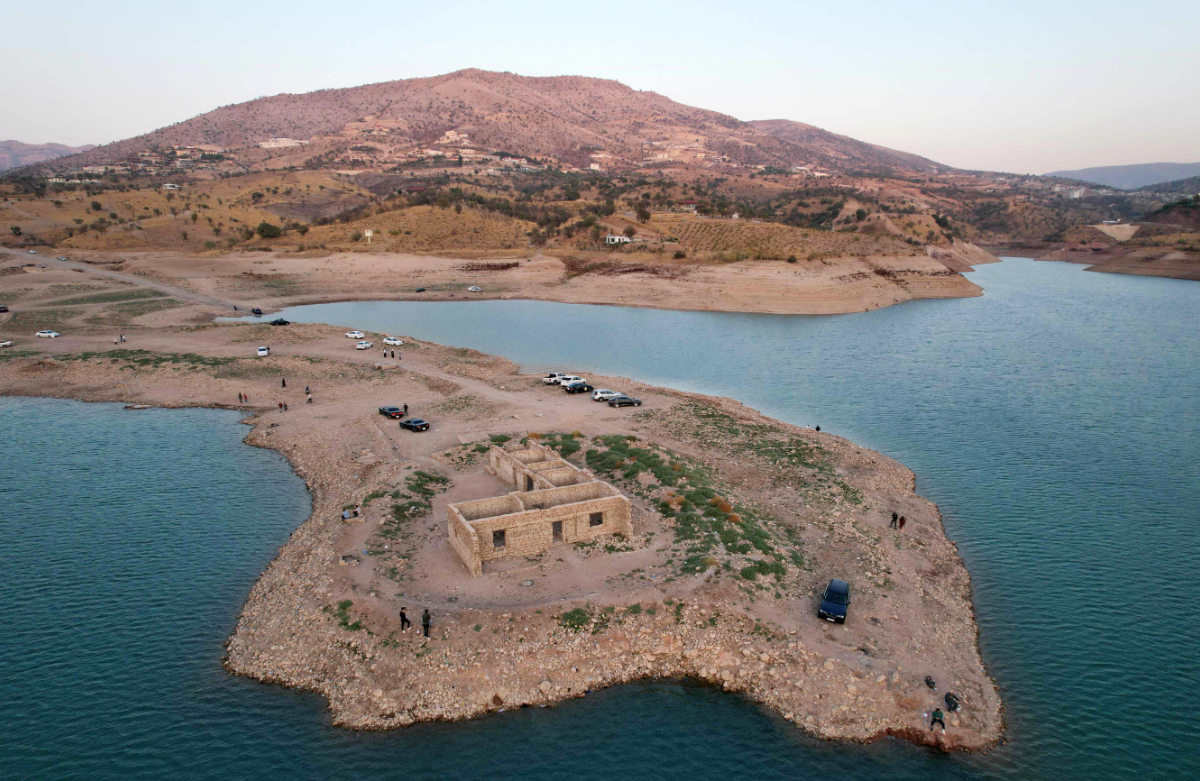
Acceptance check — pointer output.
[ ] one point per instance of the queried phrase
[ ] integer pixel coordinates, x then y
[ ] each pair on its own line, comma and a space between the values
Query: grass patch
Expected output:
141, 359
113, 297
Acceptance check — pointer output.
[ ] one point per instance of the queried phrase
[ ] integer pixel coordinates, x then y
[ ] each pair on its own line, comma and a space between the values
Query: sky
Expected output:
1025, 87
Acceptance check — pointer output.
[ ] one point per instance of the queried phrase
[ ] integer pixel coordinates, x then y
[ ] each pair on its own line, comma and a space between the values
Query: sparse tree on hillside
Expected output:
643, 214
630, 231
268, 231
16, 230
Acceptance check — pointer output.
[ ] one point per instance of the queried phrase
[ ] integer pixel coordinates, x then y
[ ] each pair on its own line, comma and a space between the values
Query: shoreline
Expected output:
536, 631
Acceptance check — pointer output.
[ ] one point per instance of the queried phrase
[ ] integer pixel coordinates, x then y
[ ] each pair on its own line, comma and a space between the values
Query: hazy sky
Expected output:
1014, 86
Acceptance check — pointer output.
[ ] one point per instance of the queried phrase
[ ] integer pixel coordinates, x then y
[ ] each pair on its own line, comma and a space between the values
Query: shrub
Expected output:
268, 231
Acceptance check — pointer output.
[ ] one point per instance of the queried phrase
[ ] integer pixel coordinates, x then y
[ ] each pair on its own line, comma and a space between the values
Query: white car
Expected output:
393, 341
604, 394
553, 377
6, 343
355, 334
475, 289
567, 379
47, 334
363, 345
263, 352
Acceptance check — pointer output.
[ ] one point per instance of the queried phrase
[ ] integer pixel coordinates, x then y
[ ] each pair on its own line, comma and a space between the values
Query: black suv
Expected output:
835, 601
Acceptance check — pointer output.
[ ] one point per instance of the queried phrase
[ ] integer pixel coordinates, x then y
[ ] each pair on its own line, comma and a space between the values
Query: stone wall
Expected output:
567, 505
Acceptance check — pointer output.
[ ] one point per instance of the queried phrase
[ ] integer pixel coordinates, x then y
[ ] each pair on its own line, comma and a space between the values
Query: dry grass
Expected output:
424, 229
740, 239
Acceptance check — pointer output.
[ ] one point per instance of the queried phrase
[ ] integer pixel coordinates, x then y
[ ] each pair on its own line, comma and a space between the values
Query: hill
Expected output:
1132, 177
15, 154
1189, 185
573, 121
842, 152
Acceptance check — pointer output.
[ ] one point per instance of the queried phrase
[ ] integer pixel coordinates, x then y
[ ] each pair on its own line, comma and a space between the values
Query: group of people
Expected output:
897, 522
393, 352
244, 398
426, 621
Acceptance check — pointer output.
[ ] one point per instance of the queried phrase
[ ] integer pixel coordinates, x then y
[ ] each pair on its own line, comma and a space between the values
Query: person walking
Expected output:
901, 527
285, 406
405, 412
239, 398
283, 382
404, 622
306, 391
937, 717
280, 403
894, 517
427, 621
309, 400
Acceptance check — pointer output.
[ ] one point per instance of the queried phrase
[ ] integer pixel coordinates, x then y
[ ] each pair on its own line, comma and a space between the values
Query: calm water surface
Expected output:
1056, 421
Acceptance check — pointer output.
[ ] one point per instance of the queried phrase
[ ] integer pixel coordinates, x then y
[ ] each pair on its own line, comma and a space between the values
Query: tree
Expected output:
630, 231
96, 206
16, 230
268, 231
643, 214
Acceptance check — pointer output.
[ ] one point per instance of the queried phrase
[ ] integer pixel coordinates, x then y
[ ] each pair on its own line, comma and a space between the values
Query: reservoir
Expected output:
1055, 420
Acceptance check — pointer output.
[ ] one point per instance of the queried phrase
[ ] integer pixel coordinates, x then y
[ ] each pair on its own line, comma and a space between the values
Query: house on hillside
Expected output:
688, 206
612, 239
170, 186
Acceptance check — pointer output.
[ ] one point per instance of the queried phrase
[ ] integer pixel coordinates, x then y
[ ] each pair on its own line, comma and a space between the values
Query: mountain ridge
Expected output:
571, 120
1133, 176
16, 154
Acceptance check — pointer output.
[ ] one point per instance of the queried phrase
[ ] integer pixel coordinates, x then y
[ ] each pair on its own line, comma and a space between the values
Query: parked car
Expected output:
364, 345
280, 321
414, 424
604, 394
6, 343
256, 312
391, 412
393, 341
420, 290
3, 308
475, 289
32, 252
62, 257
263, 352
355, 334
624, 401
47, 334
567, 379
578, 387
834, 601
553, 377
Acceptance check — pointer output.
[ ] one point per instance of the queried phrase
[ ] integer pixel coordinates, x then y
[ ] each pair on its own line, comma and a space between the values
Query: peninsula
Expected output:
735, 521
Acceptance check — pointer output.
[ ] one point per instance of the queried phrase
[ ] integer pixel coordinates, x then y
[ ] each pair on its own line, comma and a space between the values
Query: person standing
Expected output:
901, 523
894, 517
405, 412
306, 392
937, 717
285, 406
427, 621
283, 382
280, 403
404, 622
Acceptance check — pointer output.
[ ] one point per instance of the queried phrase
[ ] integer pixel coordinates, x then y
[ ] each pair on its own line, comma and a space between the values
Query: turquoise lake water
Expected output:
1056, 421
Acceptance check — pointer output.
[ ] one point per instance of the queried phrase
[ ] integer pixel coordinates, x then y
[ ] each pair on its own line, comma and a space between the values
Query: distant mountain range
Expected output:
14, 154
1131, 177
569, 120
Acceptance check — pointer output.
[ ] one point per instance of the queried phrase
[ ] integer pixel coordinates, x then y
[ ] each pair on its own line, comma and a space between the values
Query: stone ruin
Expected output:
556, 502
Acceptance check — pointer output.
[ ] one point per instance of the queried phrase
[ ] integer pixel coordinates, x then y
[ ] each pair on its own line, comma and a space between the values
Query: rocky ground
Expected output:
739, 522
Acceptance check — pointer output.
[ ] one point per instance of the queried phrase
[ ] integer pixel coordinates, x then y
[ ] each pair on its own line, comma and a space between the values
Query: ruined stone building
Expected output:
555, 503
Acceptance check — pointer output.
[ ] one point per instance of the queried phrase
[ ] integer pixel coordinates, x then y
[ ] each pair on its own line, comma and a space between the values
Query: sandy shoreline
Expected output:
502, 641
